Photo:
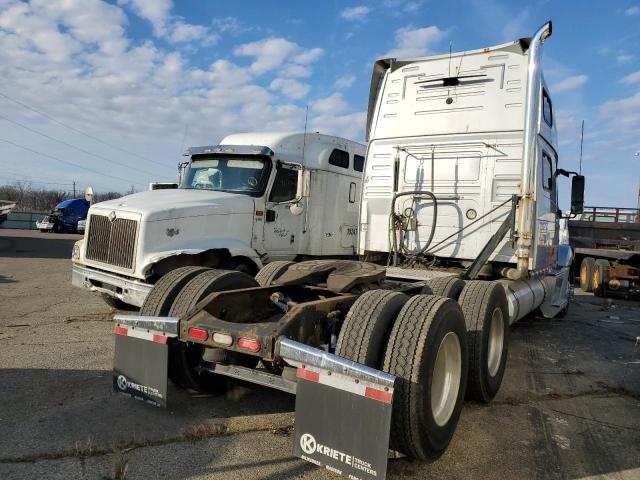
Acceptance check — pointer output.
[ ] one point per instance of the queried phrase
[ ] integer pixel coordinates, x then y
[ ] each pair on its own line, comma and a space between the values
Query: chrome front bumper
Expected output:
129, 291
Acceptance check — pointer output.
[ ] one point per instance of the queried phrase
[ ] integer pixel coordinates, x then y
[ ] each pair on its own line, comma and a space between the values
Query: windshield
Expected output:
236, 174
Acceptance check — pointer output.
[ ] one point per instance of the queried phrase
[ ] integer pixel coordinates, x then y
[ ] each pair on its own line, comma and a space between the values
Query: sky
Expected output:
109, 93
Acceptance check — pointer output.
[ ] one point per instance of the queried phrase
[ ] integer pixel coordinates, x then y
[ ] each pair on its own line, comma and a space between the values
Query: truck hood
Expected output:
157, 205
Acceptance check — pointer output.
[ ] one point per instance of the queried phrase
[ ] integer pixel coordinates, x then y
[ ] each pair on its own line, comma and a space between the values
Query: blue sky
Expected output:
127, 84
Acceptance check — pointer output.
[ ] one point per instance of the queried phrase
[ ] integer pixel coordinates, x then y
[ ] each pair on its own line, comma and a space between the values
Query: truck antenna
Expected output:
304, 138
581, 141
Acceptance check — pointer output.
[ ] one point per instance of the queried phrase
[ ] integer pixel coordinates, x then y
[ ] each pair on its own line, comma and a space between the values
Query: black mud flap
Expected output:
140, 368
342, 423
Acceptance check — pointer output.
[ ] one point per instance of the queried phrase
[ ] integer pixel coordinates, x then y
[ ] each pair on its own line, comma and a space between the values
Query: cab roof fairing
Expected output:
389, 65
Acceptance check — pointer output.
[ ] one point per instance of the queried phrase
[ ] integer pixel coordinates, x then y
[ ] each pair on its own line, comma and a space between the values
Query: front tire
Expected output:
427, 352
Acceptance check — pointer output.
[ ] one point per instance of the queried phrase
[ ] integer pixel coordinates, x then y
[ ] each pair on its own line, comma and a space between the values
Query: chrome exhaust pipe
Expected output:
532, 115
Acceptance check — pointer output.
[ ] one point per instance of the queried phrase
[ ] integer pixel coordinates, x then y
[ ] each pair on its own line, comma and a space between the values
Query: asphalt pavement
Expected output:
569, 406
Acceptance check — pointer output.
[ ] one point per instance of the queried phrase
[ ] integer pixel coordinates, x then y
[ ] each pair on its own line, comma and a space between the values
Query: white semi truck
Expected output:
252, 199
458, 237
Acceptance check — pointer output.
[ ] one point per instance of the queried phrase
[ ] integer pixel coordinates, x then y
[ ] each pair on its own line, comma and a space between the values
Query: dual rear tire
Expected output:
438, 349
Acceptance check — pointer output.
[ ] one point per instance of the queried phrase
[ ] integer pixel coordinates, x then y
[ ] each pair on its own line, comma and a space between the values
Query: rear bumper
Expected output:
129, 291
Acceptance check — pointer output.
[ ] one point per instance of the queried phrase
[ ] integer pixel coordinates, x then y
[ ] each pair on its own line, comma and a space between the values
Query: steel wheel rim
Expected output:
445, 382
596, 278
583, 274
496, 341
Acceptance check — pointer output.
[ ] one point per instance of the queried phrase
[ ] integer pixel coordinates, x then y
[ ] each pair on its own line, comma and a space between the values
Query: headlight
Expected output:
75, 252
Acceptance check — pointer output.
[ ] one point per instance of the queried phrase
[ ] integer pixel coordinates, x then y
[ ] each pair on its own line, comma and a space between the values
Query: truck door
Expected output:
547, 208
281, 227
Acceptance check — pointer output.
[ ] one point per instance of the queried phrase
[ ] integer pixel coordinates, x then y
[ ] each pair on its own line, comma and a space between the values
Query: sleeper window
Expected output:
547, 171
358, 163
547, 109
339, 158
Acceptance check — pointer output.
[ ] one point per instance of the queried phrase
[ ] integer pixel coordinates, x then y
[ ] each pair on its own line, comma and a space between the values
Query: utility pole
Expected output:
74, 189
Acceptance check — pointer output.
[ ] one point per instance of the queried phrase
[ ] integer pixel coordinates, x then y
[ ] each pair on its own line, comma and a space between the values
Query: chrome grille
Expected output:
113, 243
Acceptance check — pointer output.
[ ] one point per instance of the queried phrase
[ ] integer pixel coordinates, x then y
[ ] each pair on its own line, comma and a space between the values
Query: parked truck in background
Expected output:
65, 217
606, 241
252, 199
458, 237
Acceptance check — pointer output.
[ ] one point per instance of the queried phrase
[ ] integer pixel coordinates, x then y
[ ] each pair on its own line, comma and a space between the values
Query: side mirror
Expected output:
577, 194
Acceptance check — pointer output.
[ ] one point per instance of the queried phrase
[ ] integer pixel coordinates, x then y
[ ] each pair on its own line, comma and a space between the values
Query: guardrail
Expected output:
22, 220
610, 214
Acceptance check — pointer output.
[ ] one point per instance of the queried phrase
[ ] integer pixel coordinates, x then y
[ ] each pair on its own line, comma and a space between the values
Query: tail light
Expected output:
249, 344
198, 333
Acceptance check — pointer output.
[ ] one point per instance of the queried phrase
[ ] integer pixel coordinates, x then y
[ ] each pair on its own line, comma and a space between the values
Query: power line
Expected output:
64, 161
30, 180
87, 152
92, 137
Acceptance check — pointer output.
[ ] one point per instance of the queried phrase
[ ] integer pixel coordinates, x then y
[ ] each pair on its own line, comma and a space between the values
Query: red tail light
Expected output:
248, 344
121, 330
198, 333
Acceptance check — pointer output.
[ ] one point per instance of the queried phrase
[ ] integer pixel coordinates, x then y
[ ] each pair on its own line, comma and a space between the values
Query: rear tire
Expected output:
164, 292
239, 265
449, 287
486, 313
427, 352
586, 274
367, 326
600, 277
184, 358
272, 271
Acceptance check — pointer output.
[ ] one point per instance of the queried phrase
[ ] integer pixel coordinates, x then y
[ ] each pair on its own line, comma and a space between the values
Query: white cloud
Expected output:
631, 11
272, 53
632, 78
345, 81
623, 113
157, 12
73, 60
624, 57
334, 103
414, 42
185, 32
569, 83
354, 13
229, 25
349, 125
290, 88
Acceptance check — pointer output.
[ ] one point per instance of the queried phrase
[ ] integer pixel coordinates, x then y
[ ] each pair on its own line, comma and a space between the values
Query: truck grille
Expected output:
113, 243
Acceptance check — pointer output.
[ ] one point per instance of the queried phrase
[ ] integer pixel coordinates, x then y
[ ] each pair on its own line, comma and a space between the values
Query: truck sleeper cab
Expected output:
253, 199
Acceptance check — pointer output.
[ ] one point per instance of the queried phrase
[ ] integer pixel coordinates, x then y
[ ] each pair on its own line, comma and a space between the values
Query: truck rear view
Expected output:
458, 239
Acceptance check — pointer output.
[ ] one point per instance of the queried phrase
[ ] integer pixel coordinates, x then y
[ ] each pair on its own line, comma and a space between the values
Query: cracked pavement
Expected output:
569, 407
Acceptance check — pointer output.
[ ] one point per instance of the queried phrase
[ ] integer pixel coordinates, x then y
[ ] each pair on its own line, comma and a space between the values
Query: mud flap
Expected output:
343, 412
140, 367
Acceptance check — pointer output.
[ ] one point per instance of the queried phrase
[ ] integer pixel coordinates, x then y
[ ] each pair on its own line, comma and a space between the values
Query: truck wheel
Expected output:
600, 276
486, 313
427, 352
586, 274
271, 271
161, 297
449, 287
183, 357
367, 326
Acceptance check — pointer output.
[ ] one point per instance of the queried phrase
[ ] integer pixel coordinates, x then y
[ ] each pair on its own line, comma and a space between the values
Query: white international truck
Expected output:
252, 199
458, 238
